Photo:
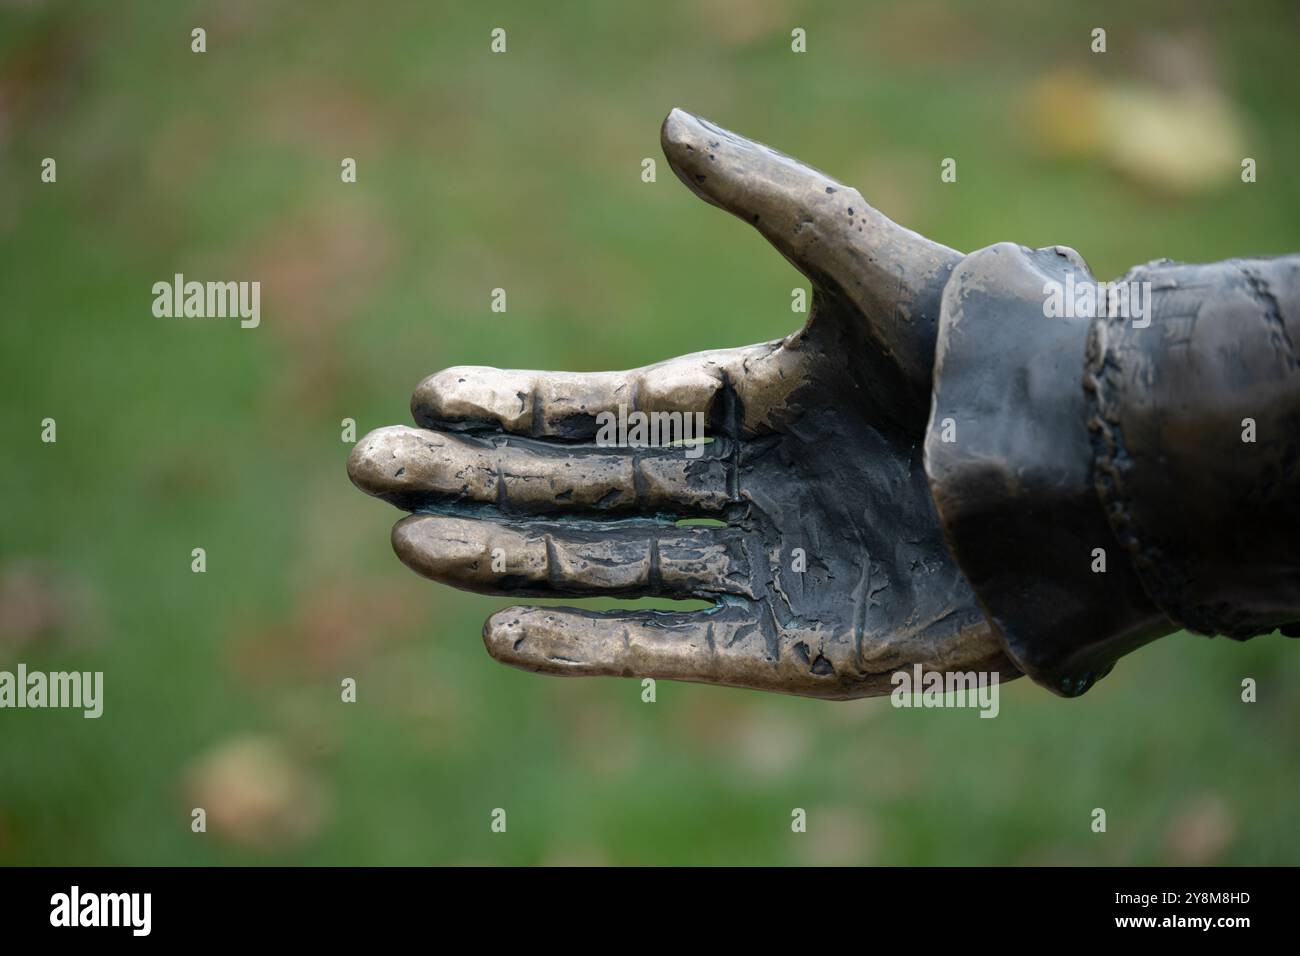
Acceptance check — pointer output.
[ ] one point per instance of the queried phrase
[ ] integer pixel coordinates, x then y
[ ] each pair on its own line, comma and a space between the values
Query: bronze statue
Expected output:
934, 470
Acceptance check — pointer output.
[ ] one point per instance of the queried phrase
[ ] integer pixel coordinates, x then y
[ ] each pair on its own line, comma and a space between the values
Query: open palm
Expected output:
825, 563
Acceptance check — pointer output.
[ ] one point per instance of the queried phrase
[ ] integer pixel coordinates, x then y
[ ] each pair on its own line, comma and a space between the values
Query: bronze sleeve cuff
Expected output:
1010, 464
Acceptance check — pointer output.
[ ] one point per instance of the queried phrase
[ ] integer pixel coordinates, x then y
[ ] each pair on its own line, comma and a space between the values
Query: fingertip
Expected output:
370, 458
504, 636
677, 133
357, 464
456, 551
475, 395
406, 538
691, 144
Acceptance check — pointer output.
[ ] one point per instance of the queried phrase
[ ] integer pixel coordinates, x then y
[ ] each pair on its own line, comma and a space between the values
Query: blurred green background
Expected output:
522, 171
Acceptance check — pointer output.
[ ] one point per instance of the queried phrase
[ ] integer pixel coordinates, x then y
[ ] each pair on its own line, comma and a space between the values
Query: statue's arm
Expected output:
1103, 481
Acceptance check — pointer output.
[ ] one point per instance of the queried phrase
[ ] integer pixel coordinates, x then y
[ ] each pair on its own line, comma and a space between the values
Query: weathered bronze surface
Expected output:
820, 447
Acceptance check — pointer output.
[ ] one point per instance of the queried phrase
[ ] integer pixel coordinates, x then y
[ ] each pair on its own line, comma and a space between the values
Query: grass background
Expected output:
523, 171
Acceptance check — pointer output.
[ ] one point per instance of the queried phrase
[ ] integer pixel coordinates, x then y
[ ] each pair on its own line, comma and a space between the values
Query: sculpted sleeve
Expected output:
1112, 462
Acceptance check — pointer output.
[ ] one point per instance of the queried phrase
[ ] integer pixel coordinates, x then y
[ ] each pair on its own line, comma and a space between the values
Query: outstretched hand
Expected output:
828, 572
